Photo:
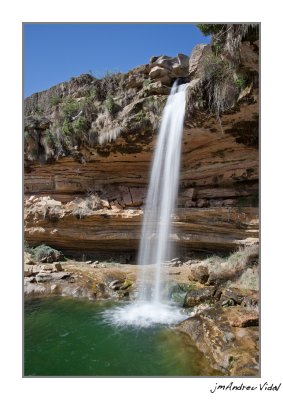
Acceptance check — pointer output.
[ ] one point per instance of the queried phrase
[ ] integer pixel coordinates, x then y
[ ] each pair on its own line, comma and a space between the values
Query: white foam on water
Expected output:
144, 314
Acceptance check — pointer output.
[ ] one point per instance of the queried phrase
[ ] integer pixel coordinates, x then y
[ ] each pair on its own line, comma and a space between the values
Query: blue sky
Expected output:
54, 53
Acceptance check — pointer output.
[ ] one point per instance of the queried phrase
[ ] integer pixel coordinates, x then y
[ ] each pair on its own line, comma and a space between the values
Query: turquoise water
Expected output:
68, 337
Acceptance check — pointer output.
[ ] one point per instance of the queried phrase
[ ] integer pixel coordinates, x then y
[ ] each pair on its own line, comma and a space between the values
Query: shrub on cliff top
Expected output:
209, 29
227, 38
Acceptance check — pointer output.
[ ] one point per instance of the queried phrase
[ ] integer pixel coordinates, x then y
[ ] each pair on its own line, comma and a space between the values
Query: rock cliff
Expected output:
89, 145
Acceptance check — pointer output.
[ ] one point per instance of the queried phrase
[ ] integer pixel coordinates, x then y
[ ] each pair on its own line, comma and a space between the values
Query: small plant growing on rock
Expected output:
85, 206
111, 106
241, 82
70, 108
79, 125
146, 83
219, 86
38, 110
209, 29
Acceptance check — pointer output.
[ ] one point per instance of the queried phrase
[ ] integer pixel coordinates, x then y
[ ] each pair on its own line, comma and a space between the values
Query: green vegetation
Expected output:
111, 84
55, 100
219, 88
67, 127
79, 125
70, 108
140, 116
45, 253
210, 29
241, 81
146, 83
38, 110
111, 106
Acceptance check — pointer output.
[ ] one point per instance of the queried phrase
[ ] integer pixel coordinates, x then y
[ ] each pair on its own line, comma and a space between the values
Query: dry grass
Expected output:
240, 268
219, 85
85, 206
109, 136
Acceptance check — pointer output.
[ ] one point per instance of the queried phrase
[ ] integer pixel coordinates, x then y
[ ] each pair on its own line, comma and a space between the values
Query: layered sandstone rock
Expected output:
218, 193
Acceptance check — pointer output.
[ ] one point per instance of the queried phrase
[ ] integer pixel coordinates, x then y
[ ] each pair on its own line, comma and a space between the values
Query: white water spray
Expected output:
151, 305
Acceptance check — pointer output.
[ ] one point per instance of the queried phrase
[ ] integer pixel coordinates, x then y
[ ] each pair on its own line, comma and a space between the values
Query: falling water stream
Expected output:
152, 304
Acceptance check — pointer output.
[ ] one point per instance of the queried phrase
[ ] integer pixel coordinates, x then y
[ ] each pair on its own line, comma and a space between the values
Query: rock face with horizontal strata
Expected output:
217, 206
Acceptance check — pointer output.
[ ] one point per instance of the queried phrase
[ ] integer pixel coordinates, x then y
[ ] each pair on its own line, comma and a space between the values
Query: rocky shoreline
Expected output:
220, 296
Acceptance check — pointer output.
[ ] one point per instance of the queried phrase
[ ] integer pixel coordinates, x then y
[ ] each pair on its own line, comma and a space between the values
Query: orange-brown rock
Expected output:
217, 207
229, 348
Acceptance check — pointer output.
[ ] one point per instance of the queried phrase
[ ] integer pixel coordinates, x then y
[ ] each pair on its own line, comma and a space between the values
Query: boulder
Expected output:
242, 317
30, 279
60, 275
43, 277
198, 296
33, 289
230, 294
158, 88
197, 54
158, 72
183, 60
58, 267
198, 272
165, 80
165, 61
28, 259
134, 82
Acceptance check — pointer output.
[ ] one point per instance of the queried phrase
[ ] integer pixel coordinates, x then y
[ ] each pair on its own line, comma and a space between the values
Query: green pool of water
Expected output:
68, 337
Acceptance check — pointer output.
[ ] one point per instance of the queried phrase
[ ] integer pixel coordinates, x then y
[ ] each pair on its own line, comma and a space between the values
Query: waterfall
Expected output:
161, 197
151, 305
